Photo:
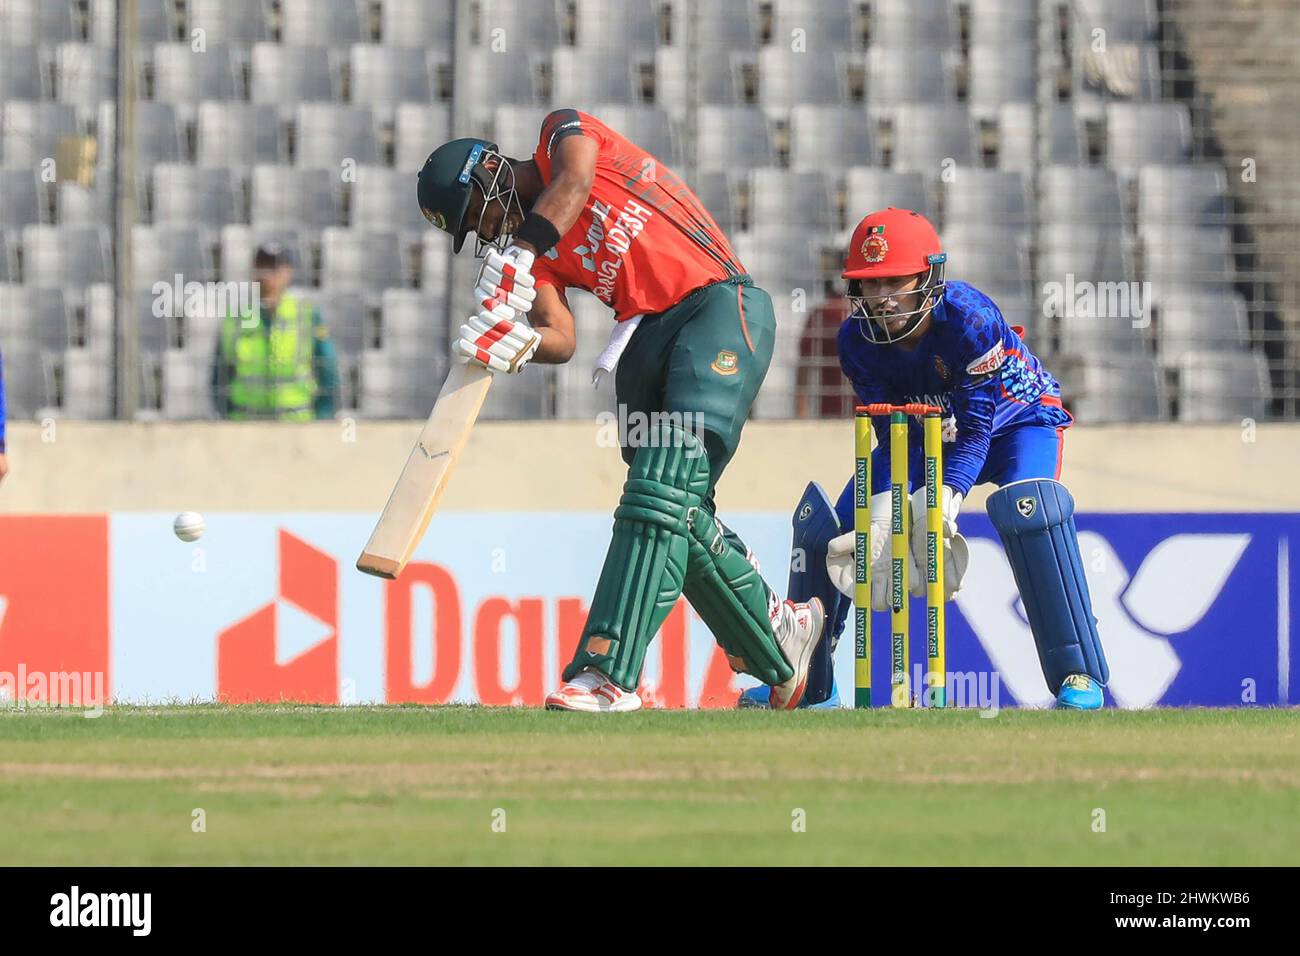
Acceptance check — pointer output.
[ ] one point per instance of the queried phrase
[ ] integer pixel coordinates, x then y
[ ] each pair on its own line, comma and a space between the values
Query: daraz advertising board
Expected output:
1193, 609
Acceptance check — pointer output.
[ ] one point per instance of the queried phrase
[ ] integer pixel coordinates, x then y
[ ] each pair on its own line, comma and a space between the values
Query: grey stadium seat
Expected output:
715, 80
1125, 21
1003, 23
238, 136
1190, 195
25, 315
425, 24
359, 261
187, 388
21, 198
158, 137
1071, 194
412, 320
87, 385
906, 75
869, 188
66, 256
780, 198
347, 316
155, 22
1189, 321
284, 197
1126, 72
787, 79
384, 199
1000, 74
824, 25
516, 129
535, 22
184, 77
992, 258
581, 77
329, 134
1093, 252
34, 22
328, 23
185, 194
984, 197
780, 262
21, 77
646, 126
926, 135
575, 395
623, 28
917, 23
494, 78
732, 137
1017, 149
435, 263
1222, 386
160, 253
1118, 388
384, 76
237, 22
1140, 134
714, 190
417, 131
85, 205
819, 132
396, 385
1179, 258
85, 74
284, 76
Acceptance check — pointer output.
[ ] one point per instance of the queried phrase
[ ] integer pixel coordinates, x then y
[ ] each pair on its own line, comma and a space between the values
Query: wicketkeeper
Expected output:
914, 337
693, 337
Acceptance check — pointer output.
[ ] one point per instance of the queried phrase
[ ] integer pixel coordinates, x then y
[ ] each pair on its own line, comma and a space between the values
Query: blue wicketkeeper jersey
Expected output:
972, 364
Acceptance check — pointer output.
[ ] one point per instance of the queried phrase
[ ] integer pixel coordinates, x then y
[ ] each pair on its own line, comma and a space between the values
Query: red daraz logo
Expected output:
288, 648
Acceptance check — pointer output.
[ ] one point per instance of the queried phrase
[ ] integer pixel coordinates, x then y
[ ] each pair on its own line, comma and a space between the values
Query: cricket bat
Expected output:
427, 471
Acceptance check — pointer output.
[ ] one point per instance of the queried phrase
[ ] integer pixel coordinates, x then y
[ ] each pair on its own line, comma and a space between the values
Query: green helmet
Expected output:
447, 179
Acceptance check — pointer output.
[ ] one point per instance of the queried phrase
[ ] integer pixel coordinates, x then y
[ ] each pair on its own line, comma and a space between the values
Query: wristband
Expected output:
539, 232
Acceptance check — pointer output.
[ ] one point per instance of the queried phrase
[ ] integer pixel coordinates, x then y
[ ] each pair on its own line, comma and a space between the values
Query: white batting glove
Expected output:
506, 279
498, 341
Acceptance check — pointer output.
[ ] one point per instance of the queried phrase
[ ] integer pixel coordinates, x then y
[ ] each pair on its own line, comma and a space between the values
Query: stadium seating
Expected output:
304, 121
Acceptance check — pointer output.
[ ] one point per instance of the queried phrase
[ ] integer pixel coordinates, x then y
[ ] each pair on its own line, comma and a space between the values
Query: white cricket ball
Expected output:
189, 526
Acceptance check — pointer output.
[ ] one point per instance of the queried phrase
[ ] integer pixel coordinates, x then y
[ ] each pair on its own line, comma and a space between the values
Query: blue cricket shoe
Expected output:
757, 697
1079, 692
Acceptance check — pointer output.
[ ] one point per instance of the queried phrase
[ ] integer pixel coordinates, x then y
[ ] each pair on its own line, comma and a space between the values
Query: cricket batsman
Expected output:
692, 338
914, 337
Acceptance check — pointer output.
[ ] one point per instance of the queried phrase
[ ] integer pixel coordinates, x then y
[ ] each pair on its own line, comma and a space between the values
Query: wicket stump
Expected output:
900, 547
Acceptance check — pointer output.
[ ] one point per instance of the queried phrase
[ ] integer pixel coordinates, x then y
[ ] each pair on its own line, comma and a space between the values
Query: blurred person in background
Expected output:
4, 461
821, 390
276, 361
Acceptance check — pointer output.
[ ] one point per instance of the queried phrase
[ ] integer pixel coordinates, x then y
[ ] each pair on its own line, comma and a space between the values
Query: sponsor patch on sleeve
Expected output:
989, 362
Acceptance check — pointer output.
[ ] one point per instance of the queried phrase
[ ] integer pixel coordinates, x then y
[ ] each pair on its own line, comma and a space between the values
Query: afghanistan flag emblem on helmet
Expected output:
874, 246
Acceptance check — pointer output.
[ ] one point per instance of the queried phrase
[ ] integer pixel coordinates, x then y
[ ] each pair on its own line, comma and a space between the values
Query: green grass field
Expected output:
408, 785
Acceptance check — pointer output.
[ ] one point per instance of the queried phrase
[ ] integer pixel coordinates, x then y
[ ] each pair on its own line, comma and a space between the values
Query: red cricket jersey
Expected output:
643, 240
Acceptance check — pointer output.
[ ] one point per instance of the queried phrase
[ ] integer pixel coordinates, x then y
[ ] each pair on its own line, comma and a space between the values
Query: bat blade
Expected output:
424, 478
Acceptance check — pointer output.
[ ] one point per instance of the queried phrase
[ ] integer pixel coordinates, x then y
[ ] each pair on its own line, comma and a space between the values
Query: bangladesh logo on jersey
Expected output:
727, 363
874, 247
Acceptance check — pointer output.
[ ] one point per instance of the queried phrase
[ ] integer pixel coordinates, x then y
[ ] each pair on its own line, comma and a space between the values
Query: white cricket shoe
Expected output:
594, 693
798, 630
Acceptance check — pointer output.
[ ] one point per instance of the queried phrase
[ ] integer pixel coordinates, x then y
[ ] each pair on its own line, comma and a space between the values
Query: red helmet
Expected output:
892, 243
